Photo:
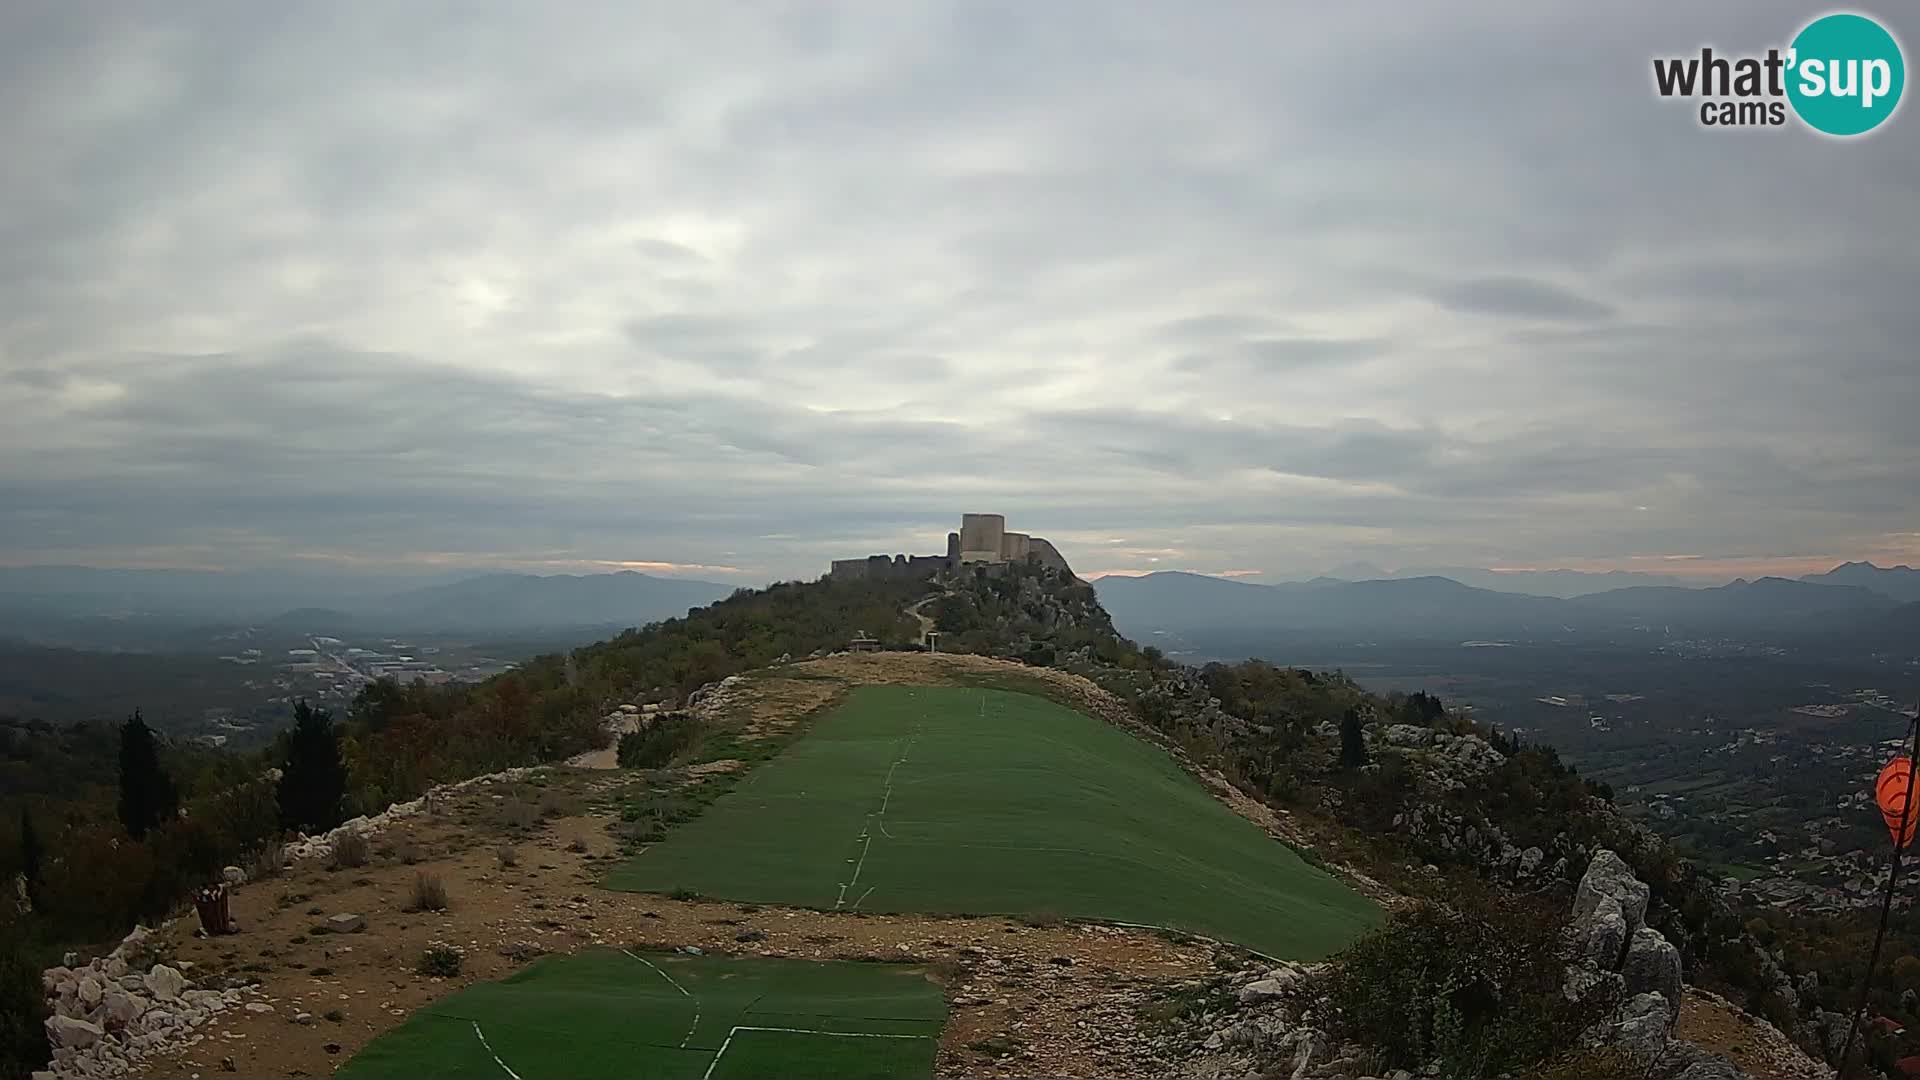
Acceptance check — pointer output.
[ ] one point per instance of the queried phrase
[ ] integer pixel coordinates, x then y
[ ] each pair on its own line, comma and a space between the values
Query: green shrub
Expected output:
95, 883
23, 1010
246, 815
440, 959
658, 745
1474, 983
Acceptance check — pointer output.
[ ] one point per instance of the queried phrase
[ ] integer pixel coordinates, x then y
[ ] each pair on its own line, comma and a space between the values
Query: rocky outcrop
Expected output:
1260, 1027
1622, 959
1442, 833
1652, 965
1640, 1028
1609, 877
1603, 935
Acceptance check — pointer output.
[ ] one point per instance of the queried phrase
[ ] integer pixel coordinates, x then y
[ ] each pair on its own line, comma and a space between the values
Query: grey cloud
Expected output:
651, 284
1519, 298
1268, 356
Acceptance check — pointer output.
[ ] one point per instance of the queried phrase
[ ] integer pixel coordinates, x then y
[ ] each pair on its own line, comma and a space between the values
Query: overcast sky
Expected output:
732, 290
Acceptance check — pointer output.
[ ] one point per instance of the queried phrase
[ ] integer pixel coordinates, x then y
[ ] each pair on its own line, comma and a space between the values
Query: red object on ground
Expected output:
1890, 790
211, 903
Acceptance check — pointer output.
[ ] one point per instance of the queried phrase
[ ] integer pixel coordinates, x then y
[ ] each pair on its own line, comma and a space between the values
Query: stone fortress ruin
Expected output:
983, 540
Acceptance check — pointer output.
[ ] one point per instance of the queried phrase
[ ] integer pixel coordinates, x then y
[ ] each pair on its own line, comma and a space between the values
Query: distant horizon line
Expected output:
1679, 568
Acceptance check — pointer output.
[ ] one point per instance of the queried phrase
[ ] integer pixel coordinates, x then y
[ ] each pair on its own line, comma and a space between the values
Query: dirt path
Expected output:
617, 724
926, 621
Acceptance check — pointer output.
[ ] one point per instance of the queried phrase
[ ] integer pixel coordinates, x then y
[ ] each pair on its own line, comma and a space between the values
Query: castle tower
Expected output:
981, 537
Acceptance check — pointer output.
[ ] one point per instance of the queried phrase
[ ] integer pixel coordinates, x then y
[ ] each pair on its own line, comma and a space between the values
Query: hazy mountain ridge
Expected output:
1901, 582
1440, 607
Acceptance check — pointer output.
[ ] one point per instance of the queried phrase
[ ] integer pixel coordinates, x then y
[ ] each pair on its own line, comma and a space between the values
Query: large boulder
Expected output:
1609, 876
1473, 752
1585, 983
165, 983
1530, 861
73, 1032
1832, 1027
1261, 990
121, 1008
1640, 1030
1652, 966
1603, 941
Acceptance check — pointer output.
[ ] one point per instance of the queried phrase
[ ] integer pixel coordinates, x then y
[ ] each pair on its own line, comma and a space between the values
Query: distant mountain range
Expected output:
1435, 607
1407, 607
489, 603
1902, 583
1565, 584
1857, 603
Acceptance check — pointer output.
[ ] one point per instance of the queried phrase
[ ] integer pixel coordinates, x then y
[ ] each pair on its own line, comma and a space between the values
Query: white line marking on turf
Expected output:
728, 1041
863, 897
866, 830
490, 1053
683, 990
864, 848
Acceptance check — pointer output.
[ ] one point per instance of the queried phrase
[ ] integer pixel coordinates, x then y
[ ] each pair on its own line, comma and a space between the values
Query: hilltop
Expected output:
1448, 824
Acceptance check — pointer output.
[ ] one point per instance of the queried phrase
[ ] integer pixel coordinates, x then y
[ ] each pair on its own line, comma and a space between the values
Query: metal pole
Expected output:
1886, 905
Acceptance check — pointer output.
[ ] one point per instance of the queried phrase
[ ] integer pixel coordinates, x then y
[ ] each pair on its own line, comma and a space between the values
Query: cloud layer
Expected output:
740, 289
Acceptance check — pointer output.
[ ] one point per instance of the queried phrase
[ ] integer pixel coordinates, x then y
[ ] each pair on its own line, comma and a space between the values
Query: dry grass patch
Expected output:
429, 893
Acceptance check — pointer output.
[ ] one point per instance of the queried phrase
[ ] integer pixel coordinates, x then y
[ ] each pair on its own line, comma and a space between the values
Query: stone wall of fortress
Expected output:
983, 539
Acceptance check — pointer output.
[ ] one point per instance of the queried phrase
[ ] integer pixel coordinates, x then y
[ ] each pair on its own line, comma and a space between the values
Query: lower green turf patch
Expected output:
618, 1015
967, 801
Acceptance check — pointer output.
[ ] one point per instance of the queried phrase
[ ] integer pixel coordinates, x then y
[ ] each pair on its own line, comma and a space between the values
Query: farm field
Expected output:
622, 1015
957, 800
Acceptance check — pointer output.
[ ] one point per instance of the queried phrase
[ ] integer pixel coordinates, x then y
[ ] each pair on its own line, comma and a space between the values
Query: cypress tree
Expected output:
147, 795
313, 782
1353, 741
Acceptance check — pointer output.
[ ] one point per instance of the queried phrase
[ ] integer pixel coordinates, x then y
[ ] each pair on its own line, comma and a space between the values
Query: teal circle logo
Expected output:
1845, 74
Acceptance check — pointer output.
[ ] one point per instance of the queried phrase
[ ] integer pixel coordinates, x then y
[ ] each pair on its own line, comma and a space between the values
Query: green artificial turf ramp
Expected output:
966, 801
605, 1013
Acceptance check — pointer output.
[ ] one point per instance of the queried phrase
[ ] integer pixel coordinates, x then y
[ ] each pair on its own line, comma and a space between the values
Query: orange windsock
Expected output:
1891, 792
